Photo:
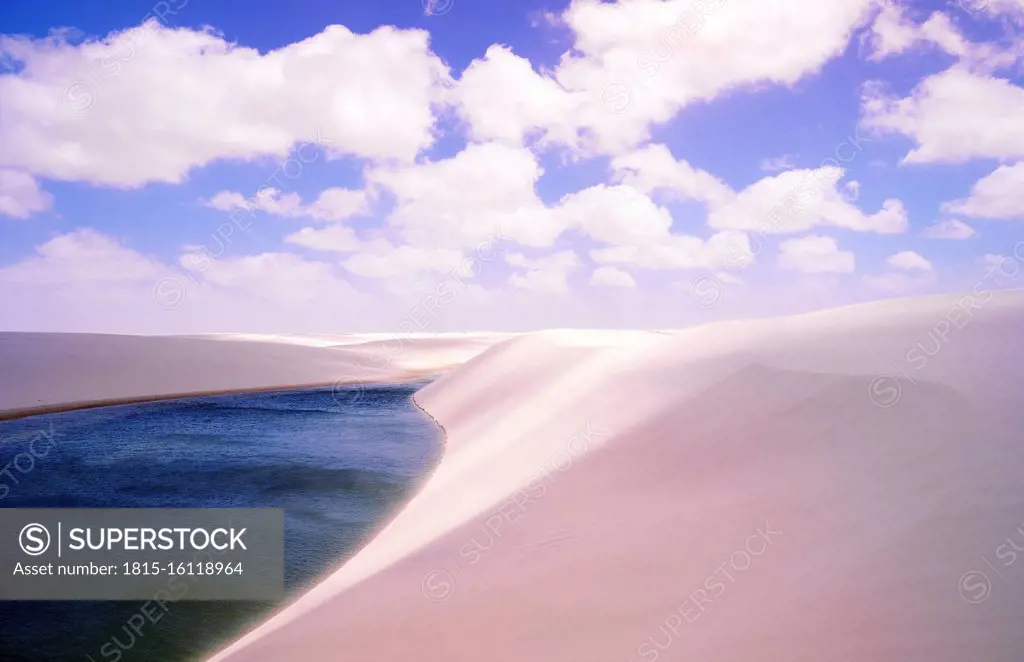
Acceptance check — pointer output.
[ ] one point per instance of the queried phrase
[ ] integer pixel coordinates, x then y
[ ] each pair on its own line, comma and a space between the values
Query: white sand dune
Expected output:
42, 371
786, 490
344, 339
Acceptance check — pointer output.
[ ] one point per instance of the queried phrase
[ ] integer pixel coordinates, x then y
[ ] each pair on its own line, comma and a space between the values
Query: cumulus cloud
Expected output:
791, 201
993, 260
83, 255
612, 277
632, 67
948, 229
653, 169
778, 163
798, 200
997, 195
86, 280
615, 215
815, 254
20, 195
908, 261
333, 204
459, 201
163, 101
280, 277
153, 104
1010, 8
894, 32
728, 250
909, 272
335, 238
92, 259
953, 117
546, 275
502, 98
382, 259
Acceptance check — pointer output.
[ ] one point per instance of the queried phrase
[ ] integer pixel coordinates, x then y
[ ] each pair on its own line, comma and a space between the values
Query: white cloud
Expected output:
88, 256
606, 93
653, 169
460, 201
778, 163
333, 238
612, 277
284, 278
382, 259
815, 254
953, 117
273, 202
84, 255
997, 195
948, 229
378, 97
615, 215
547, 275
232, 200
722, 250
486, 189
333, 204
798, 200
170, 100
89, 281
502, 98
1011, 8
908, 261
791, 201
992, 260
20, 195
893, 32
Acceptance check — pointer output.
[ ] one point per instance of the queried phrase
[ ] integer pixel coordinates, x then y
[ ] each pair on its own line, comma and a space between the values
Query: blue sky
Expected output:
120, 138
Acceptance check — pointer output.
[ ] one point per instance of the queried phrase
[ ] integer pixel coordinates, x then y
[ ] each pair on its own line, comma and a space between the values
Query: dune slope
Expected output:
795, 489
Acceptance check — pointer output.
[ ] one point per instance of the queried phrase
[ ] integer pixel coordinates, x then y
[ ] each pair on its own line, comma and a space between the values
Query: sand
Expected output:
44, 372
836, 486
786, 490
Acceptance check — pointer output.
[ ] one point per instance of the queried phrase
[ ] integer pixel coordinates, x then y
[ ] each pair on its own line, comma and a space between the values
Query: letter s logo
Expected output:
34, 539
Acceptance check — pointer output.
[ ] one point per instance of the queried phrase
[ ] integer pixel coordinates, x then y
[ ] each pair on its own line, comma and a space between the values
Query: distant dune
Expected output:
838, 486
52, 371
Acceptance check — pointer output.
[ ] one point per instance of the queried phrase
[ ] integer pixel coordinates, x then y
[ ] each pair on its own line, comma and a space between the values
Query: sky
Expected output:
501, 165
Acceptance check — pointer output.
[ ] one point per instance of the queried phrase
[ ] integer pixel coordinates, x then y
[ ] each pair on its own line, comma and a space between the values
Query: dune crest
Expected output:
800, 488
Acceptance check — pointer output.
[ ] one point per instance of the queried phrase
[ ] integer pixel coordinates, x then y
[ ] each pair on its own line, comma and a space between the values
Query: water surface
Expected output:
338, 461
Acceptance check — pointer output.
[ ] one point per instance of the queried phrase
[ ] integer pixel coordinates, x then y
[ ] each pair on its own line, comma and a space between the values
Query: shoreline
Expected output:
382, 525
444, 433
26, 412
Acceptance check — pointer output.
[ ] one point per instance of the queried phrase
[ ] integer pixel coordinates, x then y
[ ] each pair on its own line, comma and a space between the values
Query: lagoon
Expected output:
338, 461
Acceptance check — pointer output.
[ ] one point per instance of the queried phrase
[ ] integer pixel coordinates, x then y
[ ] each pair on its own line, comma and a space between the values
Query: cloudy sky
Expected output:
313, 166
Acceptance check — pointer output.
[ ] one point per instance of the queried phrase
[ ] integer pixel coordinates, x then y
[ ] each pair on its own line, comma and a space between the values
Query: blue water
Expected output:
338, 461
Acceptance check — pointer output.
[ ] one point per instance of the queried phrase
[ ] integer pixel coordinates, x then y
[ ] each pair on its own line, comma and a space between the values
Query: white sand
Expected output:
726, 493
55, 370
